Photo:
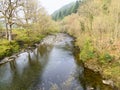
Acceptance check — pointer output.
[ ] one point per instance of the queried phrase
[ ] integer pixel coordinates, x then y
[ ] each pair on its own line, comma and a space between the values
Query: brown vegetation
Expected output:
96, 28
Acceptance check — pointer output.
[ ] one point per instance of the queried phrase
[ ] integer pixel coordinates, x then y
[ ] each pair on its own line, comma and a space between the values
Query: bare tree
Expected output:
31, 12
7, 10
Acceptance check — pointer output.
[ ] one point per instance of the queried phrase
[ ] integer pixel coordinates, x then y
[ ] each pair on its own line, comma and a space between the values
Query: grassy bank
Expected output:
21, 41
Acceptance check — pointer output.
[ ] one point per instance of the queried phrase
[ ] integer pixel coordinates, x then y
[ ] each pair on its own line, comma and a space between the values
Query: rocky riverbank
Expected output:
104, 70
54, 39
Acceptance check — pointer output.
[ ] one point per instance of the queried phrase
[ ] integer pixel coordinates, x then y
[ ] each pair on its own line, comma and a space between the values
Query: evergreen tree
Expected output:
66, 10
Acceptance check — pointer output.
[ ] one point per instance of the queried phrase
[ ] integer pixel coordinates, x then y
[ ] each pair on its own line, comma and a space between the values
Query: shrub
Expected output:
87, 51
8, 48
14, 47
105, 58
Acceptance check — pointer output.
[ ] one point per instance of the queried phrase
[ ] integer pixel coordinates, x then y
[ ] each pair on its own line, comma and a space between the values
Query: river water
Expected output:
49, 67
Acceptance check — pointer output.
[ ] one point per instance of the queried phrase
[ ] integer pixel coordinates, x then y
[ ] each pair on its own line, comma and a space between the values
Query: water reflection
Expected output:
59, 67
49, 67
89, 79
24, 71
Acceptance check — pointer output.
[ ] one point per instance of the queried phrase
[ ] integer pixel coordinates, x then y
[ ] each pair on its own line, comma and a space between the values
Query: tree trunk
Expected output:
10, 33
6, 31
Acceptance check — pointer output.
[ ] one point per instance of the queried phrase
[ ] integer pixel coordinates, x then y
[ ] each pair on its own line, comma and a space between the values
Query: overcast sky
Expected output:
52, 5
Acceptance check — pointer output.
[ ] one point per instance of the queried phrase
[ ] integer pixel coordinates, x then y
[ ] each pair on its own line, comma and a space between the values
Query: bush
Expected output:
87, 51
105, 58
8, 48
3, 50
14, 47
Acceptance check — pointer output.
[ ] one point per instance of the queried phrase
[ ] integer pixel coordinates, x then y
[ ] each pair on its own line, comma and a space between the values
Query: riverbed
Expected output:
51, 66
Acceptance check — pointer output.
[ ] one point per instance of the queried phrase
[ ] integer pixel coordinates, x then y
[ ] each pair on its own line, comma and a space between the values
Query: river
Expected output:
49, 67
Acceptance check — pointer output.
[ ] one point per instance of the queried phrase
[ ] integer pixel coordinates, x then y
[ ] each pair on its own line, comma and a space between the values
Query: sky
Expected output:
52, 5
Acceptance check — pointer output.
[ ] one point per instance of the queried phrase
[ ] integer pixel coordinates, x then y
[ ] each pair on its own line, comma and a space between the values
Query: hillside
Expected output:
66, 10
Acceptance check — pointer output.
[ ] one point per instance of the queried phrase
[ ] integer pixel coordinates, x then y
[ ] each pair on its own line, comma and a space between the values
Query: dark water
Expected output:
49, 68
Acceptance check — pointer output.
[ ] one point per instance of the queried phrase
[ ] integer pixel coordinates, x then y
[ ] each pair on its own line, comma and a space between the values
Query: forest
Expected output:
66, 10
95, 25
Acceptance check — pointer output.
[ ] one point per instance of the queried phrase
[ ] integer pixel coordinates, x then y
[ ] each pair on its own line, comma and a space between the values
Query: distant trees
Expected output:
29, 11
66, 10
76, 6
35, 18
29, 14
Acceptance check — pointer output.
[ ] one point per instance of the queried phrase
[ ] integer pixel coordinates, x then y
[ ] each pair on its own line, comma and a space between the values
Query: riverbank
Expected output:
16, 46
11, 50
109, 70
55, 65
22, 46
93, 64
22, 42
106, 64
